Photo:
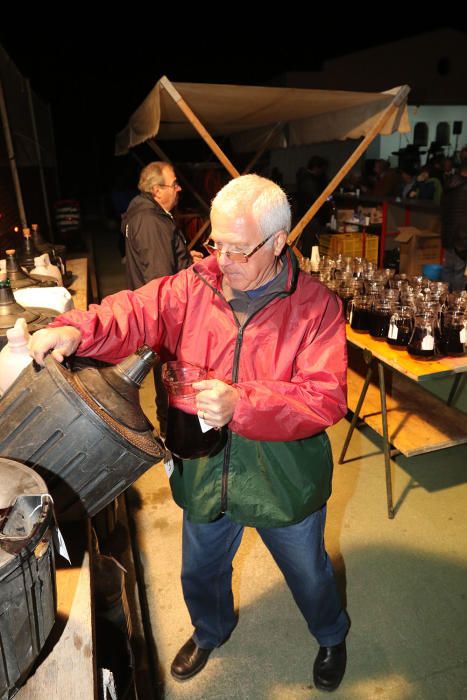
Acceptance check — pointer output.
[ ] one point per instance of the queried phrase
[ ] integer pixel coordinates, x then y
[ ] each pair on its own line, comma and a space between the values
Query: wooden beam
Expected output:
193, 119
198, 234
396, 104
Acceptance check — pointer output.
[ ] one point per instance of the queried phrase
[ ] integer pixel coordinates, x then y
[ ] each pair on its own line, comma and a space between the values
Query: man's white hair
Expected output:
266, 201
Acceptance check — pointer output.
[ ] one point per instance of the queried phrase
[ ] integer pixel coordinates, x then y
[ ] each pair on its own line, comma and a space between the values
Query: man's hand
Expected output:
62, 341
215, 401
196, 256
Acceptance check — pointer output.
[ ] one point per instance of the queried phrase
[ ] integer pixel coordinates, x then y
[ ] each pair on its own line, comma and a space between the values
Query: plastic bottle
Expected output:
43, 266
28, 251
15, 356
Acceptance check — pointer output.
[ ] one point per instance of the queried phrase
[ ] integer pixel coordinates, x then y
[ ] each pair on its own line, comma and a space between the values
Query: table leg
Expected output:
455, 386
356, 414
386, 448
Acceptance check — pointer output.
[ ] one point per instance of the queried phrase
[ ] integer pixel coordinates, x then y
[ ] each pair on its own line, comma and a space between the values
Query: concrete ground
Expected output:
404, 581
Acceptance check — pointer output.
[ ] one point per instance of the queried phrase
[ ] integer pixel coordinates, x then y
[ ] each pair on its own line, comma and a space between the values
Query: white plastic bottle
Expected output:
15, 356
43, 266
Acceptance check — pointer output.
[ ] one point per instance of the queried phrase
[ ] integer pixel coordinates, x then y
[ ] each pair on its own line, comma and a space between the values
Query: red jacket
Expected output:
292, 363
288, 362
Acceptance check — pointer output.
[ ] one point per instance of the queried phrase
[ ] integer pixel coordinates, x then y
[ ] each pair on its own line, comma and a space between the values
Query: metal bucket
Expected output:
27, 572
84, 431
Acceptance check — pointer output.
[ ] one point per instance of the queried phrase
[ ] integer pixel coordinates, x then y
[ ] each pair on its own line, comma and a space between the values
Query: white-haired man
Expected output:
274, 338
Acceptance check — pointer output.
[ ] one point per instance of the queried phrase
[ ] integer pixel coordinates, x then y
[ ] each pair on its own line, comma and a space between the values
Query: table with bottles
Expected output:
410, 330
410, 419
79, 286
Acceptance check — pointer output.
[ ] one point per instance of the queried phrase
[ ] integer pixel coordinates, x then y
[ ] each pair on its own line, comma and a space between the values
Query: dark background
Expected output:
95, 74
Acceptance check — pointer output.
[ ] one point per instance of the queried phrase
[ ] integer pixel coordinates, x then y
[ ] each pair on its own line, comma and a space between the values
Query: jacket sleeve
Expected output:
182, 255
152, 240
314, 398
152, 315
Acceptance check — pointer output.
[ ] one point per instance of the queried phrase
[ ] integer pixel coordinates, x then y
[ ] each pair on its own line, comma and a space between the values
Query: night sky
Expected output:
95, 75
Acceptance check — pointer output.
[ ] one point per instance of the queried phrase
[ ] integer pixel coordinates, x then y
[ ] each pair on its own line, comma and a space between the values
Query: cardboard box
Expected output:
418, 247
344, 215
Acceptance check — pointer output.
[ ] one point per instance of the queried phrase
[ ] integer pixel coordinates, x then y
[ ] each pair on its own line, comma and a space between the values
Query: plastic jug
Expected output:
57, 298
15, 355
43, 266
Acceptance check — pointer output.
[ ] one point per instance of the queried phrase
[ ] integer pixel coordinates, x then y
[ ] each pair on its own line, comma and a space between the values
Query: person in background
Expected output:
409, 180
454, 228
427, 186
449, 171
154, 245
274, 339
311, 181
386, 180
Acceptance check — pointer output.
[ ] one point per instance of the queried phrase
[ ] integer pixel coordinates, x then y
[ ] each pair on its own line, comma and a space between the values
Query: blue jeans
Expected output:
298, 550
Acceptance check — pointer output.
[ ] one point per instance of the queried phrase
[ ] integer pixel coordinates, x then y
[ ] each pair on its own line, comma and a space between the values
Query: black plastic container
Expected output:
27, 572
84, 431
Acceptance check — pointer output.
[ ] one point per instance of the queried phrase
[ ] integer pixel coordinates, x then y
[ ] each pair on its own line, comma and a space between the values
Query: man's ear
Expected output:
279, 242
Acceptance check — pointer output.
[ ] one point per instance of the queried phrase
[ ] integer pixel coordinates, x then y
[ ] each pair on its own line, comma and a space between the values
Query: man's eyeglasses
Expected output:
235, 256
174, 185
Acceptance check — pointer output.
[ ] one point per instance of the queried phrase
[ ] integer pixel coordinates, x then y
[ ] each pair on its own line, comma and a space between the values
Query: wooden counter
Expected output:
402, 362
79, 287
68, 670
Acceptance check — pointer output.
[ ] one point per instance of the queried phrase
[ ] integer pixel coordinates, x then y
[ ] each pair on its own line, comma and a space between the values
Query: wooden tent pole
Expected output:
198, 234
257, 155
193, 119
395, 105
157, 149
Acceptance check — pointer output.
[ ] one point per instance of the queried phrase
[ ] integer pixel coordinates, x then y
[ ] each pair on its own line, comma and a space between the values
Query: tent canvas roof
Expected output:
248, 113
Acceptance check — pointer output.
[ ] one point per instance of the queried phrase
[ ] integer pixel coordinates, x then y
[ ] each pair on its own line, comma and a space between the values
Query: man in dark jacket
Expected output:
454, 228
155, 246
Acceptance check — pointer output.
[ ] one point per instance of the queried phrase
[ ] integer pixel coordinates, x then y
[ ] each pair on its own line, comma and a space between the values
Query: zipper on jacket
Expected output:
236, 362
225, 466
238, 346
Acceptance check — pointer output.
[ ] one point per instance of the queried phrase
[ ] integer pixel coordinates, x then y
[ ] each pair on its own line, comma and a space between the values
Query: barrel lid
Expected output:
116, 388
112, 396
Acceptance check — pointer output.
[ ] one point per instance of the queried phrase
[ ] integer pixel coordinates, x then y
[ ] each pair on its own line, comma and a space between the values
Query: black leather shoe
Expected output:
329, 667
190, 660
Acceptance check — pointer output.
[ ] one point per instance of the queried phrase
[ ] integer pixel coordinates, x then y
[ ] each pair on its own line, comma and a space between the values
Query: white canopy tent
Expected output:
265, 117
